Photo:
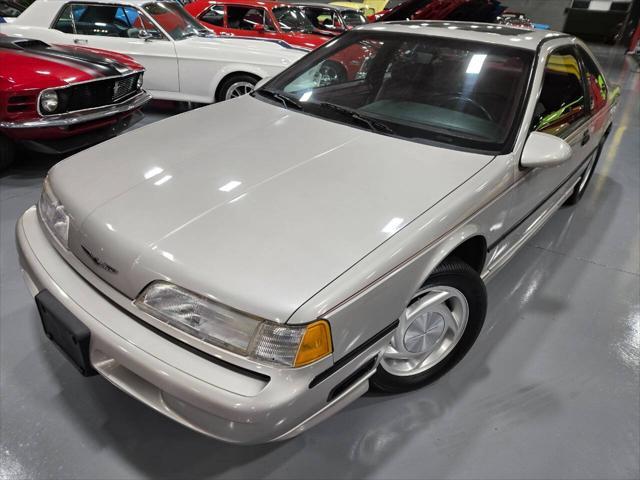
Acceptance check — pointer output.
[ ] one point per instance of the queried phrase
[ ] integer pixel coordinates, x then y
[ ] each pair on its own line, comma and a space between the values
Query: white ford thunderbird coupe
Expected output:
255, 275
184, 61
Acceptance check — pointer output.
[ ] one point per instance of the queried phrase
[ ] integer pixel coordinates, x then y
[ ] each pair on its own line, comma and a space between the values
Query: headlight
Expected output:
53, 214
49, 101
292, 346
139, 82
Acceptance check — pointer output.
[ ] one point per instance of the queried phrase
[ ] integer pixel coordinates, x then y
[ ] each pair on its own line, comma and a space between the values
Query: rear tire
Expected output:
433, 336
7, 152
236, 86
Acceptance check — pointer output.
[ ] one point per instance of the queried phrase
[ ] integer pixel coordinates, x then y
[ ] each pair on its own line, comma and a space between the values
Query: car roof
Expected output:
130, 2
475, 31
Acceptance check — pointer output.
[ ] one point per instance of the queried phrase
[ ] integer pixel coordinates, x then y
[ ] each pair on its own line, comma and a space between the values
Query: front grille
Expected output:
96, 94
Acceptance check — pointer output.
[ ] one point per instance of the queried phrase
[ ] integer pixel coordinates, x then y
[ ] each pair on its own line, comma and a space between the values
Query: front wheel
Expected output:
236, 86
437, 328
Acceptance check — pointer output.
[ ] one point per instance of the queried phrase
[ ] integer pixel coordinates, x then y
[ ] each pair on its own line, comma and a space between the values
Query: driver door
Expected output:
116, 28
561, 110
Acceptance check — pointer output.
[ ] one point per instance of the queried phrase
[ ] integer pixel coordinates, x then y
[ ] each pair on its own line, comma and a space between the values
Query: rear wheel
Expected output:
438, 327
7, 152
236, 86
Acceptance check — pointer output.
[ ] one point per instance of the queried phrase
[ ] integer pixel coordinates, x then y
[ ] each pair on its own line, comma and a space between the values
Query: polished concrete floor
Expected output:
550, 390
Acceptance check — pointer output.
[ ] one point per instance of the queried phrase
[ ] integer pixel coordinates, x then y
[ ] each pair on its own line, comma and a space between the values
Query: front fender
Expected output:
235, 68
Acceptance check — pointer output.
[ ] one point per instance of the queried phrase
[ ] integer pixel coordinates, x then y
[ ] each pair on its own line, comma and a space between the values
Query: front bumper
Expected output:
229, 404
74, 118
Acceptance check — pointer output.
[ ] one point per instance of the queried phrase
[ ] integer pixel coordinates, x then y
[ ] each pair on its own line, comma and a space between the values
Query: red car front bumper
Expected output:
73, 131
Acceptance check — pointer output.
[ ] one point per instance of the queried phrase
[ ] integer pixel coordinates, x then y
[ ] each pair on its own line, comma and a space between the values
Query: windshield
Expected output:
292, 19
174, 19
419, 87
352, 18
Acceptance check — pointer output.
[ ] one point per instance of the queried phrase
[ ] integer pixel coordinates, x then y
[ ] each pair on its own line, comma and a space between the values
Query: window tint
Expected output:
214, 16
103, 20
245, 18
595, 82
561, 103
64, 22
398, 81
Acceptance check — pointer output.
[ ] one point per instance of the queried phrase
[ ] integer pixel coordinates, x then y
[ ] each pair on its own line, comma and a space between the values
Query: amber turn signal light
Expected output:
315, 344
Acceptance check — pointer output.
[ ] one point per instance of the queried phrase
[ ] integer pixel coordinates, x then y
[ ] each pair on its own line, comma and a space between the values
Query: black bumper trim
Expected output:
353, 354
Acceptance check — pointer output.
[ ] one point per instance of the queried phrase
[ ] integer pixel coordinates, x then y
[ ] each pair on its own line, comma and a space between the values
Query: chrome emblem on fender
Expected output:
98, 262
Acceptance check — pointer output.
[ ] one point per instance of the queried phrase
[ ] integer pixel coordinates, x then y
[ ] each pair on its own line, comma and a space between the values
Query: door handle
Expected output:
80, 41
585, 138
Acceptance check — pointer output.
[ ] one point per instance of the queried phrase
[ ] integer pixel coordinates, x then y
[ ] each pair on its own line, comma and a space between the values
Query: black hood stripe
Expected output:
90, 62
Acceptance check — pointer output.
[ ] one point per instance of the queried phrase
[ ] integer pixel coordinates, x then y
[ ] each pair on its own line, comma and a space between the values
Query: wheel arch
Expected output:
220, 81
472, 251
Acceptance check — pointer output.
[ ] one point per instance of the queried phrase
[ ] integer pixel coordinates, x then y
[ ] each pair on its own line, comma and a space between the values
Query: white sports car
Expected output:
184, 61
339, 233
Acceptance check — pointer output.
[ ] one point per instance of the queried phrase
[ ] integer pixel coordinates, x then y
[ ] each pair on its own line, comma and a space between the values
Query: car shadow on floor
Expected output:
357, 441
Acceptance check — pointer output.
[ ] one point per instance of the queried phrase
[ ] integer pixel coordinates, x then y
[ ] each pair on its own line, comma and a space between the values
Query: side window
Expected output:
595, 82
235, 16
100, 20
214, 16
245, 18
64, 22
561, 105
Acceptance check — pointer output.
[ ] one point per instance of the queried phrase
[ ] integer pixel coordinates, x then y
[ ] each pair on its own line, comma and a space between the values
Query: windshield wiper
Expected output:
286, 100
372, 123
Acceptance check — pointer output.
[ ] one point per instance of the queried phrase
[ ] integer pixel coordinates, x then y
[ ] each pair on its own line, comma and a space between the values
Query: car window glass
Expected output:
100, 20
560, 106
398, 81
214, 16
244, 18
595, 82
64, 22
353, 18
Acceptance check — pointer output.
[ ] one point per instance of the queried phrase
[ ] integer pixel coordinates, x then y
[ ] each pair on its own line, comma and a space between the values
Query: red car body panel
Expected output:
28, 67
308, 41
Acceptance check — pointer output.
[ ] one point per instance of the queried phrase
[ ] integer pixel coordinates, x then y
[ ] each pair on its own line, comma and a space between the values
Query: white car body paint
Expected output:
324, 220
183, 70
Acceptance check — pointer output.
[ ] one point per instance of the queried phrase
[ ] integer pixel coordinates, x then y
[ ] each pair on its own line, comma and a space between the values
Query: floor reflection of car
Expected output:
332, 19
184, 61
326, 234
257, 19
57, 99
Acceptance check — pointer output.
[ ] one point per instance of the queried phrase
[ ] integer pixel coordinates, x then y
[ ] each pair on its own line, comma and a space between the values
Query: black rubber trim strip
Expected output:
344, 385
352, 354
535, 209
176, 341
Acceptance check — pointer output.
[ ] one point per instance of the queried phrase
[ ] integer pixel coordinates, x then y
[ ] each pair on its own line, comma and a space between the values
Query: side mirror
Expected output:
544, 150
258, 27
262, 82
144, 35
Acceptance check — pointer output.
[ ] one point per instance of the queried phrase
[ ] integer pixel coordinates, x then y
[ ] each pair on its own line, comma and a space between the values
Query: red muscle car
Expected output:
58, 99
267, 20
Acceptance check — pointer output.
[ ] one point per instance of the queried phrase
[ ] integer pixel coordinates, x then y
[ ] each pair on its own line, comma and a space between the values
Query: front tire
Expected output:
236, 86
438, 327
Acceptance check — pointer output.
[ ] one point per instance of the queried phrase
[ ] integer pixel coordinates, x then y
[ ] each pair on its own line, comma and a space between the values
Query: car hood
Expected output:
253, 205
